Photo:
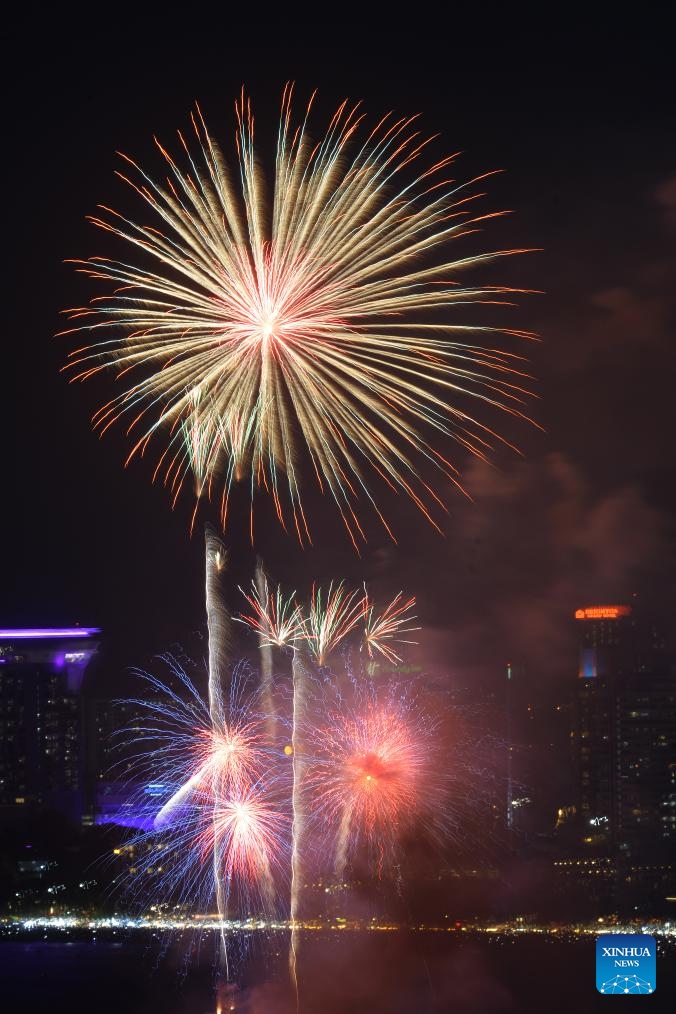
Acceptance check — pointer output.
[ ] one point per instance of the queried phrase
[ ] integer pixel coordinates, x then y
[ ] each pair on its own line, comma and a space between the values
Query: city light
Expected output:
178, 923
44, 633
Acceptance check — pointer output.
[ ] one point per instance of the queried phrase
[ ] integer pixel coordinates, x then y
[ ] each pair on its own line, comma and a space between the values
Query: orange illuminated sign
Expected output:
602, 612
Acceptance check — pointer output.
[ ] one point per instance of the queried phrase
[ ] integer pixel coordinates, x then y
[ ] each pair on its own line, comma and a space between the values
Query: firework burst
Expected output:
246, 828
372, 773
277, 618
224, 823
383, 629
333, 614
259, 325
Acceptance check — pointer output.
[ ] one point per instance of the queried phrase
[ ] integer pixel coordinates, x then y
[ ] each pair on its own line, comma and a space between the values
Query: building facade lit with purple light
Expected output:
41, 717
116, 796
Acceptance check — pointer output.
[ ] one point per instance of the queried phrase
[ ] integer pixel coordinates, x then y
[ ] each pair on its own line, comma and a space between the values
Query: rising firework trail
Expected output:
218, 623
300, 323
265, 653
301, 675
278, 622
219, 632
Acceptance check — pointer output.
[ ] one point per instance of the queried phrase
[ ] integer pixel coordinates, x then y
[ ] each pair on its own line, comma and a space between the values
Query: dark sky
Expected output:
582, 124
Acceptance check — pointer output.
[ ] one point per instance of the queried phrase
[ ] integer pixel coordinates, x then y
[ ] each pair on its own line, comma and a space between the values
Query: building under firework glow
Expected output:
625, 733
41, 727
113, 793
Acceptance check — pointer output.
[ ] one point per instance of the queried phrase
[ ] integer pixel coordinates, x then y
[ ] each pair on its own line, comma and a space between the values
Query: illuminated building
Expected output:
128, 804
625, 733
113, 728
41, 727
114, 794
534, 725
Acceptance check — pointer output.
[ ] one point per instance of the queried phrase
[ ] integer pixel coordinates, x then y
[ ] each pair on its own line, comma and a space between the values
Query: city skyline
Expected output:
622, 664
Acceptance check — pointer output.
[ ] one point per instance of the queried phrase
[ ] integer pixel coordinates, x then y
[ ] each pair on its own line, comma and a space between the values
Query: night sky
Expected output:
584, 129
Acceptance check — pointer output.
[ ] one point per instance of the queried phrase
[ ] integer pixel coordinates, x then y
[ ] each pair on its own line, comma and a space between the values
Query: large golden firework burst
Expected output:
256, 327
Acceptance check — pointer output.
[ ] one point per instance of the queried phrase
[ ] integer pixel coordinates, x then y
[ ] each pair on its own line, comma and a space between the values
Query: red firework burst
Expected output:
371, 774
248, 834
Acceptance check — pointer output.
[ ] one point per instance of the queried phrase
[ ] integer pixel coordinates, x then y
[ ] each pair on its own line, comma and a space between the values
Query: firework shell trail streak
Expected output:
218, 628
342, 842
301, 673
265, 650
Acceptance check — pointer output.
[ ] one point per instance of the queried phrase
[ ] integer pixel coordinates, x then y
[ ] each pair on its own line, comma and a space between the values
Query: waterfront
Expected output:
397, 972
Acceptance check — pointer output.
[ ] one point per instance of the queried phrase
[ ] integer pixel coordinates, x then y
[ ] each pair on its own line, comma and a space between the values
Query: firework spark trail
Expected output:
202, 439
333, 614
305, 326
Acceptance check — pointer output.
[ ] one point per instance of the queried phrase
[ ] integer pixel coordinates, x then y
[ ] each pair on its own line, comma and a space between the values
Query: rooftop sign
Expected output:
602, 612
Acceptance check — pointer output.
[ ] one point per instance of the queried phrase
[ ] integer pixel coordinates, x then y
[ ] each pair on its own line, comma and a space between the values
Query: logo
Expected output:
625, 963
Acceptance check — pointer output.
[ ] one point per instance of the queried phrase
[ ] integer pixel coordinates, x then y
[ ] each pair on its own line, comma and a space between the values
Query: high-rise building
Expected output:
624, 735
41, 717
116, 792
